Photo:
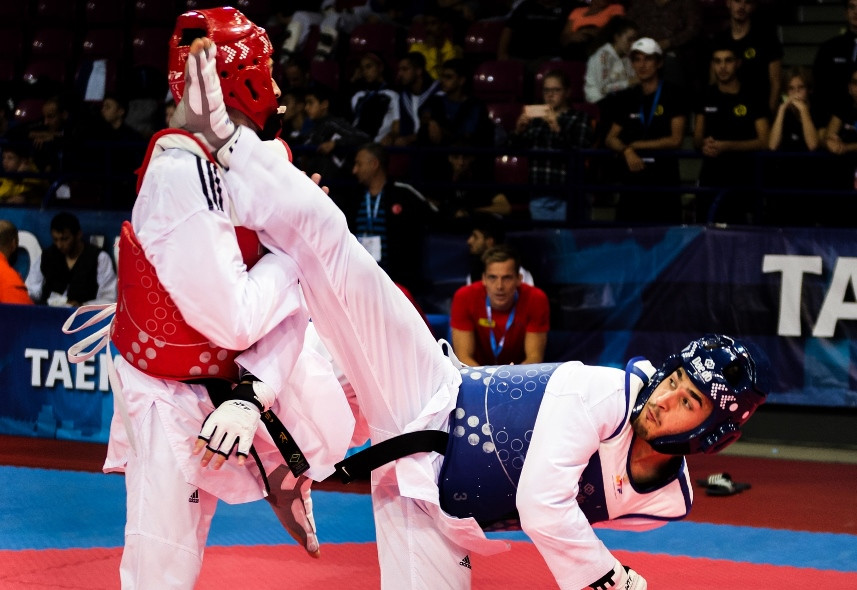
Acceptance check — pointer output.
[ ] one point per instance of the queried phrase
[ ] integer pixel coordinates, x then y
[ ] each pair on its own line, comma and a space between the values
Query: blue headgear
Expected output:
721, 368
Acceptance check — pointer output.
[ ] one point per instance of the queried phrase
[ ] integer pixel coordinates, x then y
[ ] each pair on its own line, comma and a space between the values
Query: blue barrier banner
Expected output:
617, 294
614, 294
43, 393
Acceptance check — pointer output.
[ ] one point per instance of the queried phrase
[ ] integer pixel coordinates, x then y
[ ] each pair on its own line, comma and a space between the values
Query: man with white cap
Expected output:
648, 118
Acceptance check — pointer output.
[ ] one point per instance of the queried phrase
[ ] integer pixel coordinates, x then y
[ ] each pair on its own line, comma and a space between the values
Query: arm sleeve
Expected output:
459, 316
35, 281
106, 277
539, 319
567, 433
183, 224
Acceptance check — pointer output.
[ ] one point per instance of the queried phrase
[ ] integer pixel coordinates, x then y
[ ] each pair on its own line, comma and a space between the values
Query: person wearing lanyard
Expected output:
500, 320
649, 117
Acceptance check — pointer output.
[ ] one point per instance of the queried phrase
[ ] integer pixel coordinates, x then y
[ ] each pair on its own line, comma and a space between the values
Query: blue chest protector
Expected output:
490, 433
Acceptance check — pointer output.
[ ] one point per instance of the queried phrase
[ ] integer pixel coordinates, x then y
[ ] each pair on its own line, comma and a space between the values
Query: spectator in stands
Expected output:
648, 118
128, 145
389, 218
438, 47
841, 140
294, 121
487, 231
609, 70
453, 116
558, 126
759, 48
729, 125
833, 64
584, 25
72, 272
12, 288
416, 87
374, 105
19, 189
169, 109
795, 128
296, 73
794, 131
499, 320
533, 31
676, 26
52, 138
458, 199
332, 137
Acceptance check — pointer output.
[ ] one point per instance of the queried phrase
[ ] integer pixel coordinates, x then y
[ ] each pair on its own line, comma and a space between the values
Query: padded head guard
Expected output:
243, 50
721, 368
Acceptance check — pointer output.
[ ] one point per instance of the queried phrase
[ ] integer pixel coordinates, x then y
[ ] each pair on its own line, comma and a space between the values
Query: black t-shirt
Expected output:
729, 117
757, 50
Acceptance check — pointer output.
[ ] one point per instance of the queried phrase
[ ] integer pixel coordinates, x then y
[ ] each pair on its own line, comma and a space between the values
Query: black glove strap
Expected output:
359, 465
220, 391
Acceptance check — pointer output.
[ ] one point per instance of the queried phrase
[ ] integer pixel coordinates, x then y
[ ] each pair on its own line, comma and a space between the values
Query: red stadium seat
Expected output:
504, 114
103, 43
105, 13
11, 42
325, 72
29, 110
378, 38
499, 81
52, 42
155, 13
575, 71
48, 70
483, 38
416, 34
56, 11
150, 47
511, 169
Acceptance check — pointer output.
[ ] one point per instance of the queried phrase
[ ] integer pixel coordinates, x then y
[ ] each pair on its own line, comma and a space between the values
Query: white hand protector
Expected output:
201, 109
291, 501
619, 578
233, 423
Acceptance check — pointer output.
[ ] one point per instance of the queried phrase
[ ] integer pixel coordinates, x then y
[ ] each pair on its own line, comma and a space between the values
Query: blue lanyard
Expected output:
654, 106
496, 347
372, 213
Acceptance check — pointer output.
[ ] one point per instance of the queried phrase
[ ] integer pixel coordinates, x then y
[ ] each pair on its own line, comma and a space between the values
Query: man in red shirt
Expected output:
500, 320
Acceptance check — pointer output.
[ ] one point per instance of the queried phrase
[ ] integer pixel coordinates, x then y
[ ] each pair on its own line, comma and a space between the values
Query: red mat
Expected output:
355, 566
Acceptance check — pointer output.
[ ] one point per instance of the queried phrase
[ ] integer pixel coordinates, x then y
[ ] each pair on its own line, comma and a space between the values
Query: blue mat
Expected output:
46, 509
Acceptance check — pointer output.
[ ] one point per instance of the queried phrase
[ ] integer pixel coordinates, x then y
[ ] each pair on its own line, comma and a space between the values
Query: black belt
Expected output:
360, 464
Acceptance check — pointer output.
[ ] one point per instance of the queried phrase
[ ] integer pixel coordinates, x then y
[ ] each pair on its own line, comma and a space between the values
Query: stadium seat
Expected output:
504, 114
416, 34
56, 11
105, 13
45, 71
12, 13
483, 38
378, 38
29, 110
52, 42
150, 47
325, 72
511, 169
575, 71
103, 43
11, 42
155, 13
499, 81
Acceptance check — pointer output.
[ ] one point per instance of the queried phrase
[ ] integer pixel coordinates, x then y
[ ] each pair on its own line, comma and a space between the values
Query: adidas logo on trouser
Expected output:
465, 562
194, 497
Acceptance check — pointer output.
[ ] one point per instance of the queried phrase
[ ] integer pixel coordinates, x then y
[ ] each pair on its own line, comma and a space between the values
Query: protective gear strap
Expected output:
220, 391
359, 465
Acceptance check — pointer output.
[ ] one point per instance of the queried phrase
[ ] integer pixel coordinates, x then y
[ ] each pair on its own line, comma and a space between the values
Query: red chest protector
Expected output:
149, 330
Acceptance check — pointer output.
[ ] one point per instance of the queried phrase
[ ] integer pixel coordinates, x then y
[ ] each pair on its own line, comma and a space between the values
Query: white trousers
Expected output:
400, 376
167, 519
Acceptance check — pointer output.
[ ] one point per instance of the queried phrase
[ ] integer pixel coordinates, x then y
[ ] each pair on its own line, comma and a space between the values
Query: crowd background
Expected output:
440, 87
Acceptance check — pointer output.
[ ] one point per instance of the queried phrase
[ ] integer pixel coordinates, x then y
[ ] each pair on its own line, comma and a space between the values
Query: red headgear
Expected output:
243, 50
